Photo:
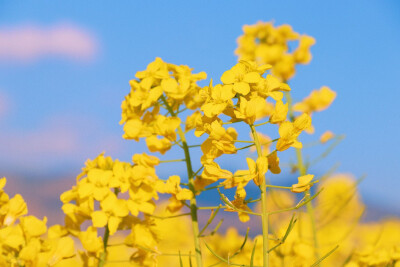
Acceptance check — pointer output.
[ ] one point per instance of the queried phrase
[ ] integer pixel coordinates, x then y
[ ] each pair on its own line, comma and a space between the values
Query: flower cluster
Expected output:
112, 194
243, 97
160, 85
114, 213
23, 239
266, 44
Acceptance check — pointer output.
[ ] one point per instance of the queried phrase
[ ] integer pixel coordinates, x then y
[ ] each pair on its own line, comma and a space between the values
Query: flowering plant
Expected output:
113, 213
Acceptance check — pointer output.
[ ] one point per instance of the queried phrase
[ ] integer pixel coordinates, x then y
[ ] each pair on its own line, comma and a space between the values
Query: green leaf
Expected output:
210, 220
180, 259
288, 230
252, 253
324, 257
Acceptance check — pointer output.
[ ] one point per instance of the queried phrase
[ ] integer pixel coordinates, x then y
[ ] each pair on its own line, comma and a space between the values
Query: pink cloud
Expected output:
58, 140
40, 142
28, 43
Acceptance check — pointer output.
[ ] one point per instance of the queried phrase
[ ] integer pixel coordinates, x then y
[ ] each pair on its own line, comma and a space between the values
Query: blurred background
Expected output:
65, 68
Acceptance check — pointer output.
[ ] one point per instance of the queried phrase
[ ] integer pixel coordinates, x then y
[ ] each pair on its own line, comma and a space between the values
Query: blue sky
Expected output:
56, 97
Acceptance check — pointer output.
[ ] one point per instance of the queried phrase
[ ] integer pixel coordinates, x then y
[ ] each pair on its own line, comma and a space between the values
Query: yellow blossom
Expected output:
280, 112
273, 163
90, 241
304, 184
32, 226
248, 109
63, 248
213, 171
318, 100
16, 208
218, 99
326, 136
192, 120
239, 203
289, 132
158, 145
239, 76
145, 160
267, 44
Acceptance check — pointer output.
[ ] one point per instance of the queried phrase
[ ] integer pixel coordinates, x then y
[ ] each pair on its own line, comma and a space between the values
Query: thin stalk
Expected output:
105, 242
193, 203
264, 213
245, 147
303, 171
210, 208
169, 217
103, 255
172, 160
280, 187
256, 125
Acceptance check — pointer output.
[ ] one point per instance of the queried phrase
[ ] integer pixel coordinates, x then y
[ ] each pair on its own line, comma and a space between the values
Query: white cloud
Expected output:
30, 42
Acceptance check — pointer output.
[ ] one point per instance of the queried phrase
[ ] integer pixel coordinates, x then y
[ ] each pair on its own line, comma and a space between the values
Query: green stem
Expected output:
264, 213
280, 187
169, 217
103, 255
193, 203
303, 171
172, 160
105, 242
256, 125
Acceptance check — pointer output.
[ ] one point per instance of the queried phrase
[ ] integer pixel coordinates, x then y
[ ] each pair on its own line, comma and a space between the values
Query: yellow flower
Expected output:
63, 248
248, 109
16, 208
285, 67
142, 98
32, 226
134, 129
239, 203
156, 70
280, 112
267, 44
172, 186
90, 241
166, 126
212, 171
158, 145
174, 90
318, 100
302, 54
220, 141
113, 208
219, 97
258, 169
273, 163
99, 218
142, 236
3, 182
30, 251
192, 120
271, 87
326, 136
145, 160
240, 76
56, 231
304, 184
289, 132
265, 142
